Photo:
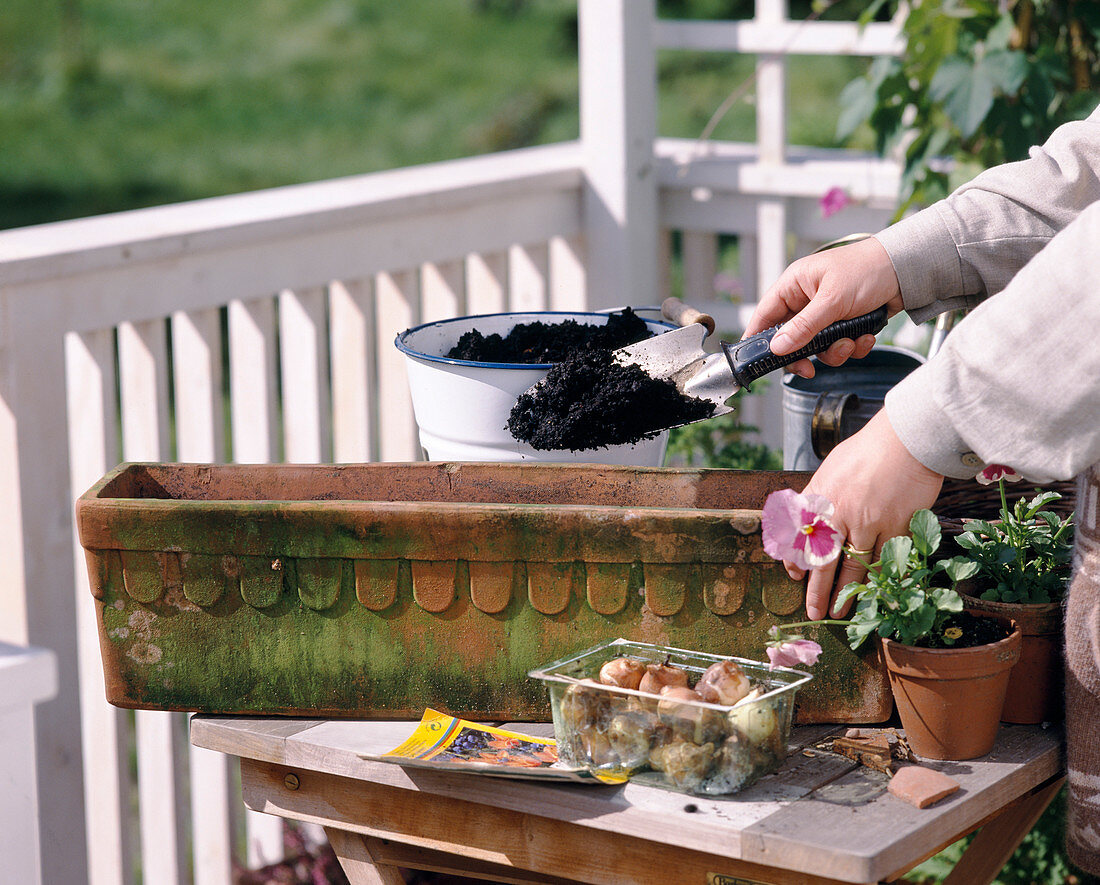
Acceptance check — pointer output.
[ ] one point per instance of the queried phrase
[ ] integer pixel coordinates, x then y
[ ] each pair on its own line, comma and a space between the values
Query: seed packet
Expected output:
446, 743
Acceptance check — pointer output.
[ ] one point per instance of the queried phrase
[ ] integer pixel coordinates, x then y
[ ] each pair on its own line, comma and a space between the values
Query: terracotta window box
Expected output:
377, 590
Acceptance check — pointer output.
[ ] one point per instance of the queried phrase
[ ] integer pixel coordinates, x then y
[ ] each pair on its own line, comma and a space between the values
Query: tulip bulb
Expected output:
723, 683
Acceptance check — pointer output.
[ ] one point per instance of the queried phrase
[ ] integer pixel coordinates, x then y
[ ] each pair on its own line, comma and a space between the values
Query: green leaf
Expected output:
895, 556
1036, 503
960, 568
850, 590
1000, 35
857, 102
1006, 69
925, 528
946, 600
966, 92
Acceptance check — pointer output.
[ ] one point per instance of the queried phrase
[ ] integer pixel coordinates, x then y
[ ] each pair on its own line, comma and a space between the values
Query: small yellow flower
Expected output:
953, 633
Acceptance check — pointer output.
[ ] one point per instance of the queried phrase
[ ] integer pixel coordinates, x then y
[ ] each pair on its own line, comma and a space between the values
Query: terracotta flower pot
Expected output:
950, 700
1035, 684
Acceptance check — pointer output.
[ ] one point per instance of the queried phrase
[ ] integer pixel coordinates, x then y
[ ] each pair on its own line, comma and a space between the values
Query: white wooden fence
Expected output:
121, 337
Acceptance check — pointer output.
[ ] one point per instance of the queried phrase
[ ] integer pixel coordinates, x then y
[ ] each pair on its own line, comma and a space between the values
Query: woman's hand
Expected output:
821, 289
876, 486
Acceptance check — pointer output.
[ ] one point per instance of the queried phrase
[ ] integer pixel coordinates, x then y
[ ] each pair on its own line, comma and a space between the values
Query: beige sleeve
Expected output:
1018, 381
970, 245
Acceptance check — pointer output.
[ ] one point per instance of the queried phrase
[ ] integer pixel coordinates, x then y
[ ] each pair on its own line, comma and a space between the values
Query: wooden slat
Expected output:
398, 855
359, 862
303, 358
792, 37
528, 269
487, 283
568, 285
442, 291
256, 738
510, 838
354, 371
700, 256
93, 449
252, 384
252, 380
397, 301
335, 747
143, 362
143, 374
197, 370
200, 437
996, 842
813, 833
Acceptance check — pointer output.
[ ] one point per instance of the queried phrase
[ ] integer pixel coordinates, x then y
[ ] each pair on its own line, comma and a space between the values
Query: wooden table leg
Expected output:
357, 862
998, 840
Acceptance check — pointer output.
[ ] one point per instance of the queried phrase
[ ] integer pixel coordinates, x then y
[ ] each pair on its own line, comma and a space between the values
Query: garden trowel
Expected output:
679, 357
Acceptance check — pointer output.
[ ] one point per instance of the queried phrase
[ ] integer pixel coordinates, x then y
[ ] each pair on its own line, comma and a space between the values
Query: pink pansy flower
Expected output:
995, 472
792, 653
796, 528
834, 199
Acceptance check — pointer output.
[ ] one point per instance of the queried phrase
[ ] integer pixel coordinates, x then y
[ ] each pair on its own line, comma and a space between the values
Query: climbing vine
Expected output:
980, 82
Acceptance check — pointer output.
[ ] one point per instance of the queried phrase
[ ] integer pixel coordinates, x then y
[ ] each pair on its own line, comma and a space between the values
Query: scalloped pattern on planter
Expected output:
435, 585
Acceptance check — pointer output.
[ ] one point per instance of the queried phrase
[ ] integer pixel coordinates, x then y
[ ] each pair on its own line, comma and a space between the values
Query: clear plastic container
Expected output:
682, 744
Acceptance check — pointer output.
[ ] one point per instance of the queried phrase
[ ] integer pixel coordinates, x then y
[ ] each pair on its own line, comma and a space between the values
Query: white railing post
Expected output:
37, 579
27, 676
618, 127
771, 212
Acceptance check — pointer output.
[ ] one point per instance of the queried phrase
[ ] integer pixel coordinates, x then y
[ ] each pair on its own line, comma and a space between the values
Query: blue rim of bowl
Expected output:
399, 341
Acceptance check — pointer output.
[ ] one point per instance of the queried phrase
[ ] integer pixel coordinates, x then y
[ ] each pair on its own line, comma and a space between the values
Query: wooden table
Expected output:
820, 819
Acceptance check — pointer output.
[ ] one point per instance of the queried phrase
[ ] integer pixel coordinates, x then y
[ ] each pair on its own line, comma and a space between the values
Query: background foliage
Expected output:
981, 81
116, 104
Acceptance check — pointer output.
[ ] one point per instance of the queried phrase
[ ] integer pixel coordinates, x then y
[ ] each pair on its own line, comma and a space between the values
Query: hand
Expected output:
876, 486
821, 289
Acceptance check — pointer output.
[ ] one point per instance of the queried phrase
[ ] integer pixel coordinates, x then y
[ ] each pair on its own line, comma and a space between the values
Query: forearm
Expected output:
970, 245
1016, 382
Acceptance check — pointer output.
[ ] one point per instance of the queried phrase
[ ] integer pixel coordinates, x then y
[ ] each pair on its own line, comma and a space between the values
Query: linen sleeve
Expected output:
971, 244
1017, 382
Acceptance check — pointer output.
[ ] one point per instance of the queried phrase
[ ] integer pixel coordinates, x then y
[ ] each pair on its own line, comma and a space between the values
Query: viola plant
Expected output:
1025, 554
908, 595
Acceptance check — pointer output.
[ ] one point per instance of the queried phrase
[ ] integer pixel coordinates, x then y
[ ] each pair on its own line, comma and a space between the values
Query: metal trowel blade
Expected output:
679, 357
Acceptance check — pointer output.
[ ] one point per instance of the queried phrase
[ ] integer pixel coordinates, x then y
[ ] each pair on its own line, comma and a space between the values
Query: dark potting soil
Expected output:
589, 400
975, 631
540, 342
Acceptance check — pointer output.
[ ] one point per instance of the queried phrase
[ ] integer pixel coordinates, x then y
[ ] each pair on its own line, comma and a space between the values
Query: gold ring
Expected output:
852, 551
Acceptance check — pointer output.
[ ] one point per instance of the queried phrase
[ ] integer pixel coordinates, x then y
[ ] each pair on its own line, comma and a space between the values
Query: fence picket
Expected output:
303, 357
528, 268
354, 373
252, 381
197, 371
397, 301
568, 281
161, 737
487, 283
93, 445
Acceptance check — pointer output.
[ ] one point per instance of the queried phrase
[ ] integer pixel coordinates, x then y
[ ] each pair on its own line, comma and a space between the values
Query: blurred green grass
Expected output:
116, 104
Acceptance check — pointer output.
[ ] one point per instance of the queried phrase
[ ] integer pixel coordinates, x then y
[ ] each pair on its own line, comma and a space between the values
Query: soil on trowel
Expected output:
540, 342
589, 401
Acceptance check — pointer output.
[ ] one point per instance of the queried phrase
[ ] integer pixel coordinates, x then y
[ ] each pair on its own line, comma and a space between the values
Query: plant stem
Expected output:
815, 623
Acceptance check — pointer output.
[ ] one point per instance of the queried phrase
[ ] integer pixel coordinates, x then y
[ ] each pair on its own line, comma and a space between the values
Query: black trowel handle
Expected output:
752, 358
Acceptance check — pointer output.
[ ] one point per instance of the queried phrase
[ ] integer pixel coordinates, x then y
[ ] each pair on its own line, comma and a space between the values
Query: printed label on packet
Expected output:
447, 742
